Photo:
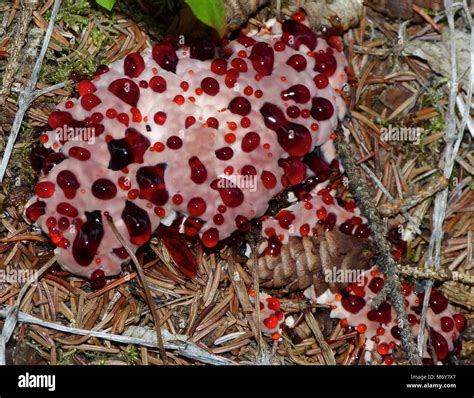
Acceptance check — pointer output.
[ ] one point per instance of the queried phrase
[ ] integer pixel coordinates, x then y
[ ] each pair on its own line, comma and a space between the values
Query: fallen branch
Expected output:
177, 343
387, 264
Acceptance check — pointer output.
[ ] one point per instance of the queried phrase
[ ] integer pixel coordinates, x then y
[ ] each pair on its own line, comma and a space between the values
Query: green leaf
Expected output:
210, 12
108, 4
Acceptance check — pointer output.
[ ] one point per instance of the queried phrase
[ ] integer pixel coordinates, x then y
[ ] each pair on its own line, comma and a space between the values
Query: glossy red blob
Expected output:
273, 246
90, 101
298, 93
240, 106
321, 81
439, 344
330, 222
67, 209
104, 189
246, 41
293, 138
210, 86
127, 150
79, 153
67, 181
196, 207
269, 180
151, 181
224, 153
219, 66
35, 210
460, 321
321, 109
231, 195
297, 62
174, 142
376, 284
325, 63
294, 170
210, 238
248, 170
37, 156
293, 111
263, 58
127, 90
98, 279
85, 87
212, 122
133, 65
447, 324
285, 218
396, 333
352, 303
250, 141
438, 303
382, 314
53, 159
158, 84
198, 170
88, 238
165, 56
137, 222
362, 231
159, 118
296, 34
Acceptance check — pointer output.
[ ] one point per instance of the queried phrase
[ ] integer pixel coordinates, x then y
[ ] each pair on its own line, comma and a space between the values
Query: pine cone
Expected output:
305, 261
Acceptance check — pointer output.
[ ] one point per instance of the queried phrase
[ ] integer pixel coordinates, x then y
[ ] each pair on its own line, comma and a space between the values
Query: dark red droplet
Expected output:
396, 333
88, 238
151, 181
293, 138
376, 284
98, 279
297, 62
250, 141
447, 324
362, 231
321, 109
219, 66
325, 63
245, 40
231, 195
174, 142
298, 93
67, 181
127, 90
460, 321
127, 150
165, 56
242, 223
133, 65
35, 210
90, 101
104, 189
285, 218
439, 344
210, 238
438, 303
79, 153
67, 209
248, 170
137, 222
210, 86
196, 207
381, 314
198, 170
240, 106
224, 153
352, 303
273, 246
262, 57
158, 84
52, 160
295, 33
121, 252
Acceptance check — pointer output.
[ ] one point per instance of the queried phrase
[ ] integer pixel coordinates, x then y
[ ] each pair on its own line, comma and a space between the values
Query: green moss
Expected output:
131, 354
73, 13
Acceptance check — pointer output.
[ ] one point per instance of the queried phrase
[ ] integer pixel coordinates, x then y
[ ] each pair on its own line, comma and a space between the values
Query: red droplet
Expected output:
219, 66
210, 86
79, 153
297, 62
160, 118
447, 324
381, 314
262, 57
295, 34
298, 93
376, 284
250, 141
460, 321
98, 279
133, 65
151, 181
90, 101
165, 56
438, 303
325, 63
322, 109
240, 106
198, 170
88, 238
137, 222
269, 180
210, 238
44, 189
35, 210
127, 90
321, 81
352, 303
85, 87
224, 153
158, 84
104, 189
439, 344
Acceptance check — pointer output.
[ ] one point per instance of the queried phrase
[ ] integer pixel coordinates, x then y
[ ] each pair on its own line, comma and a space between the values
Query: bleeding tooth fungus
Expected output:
180, 135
